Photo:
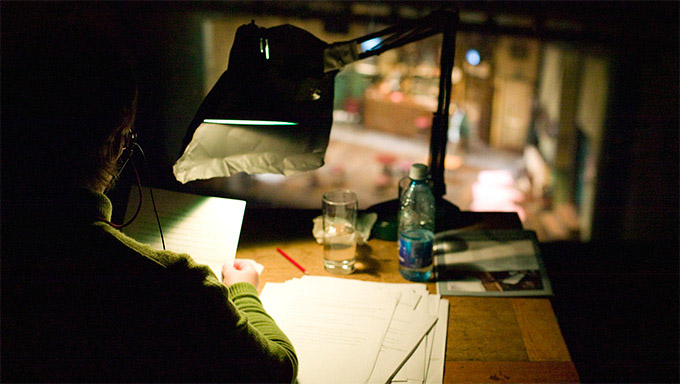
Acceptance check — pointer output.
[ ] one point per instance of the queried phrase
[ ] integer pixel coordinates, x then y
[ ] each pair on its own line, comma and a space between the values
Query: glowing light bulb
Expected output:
472, 56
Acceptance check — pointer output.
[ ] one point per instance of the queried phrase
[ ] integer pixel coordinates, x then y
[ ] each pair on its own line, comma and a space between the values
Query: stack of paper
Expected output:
351, 331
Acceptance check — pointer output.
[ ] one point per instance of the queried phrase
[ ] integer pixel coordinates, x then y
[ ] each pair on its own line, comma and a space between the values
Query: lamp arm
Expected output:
440, 120
339, 54
442, 21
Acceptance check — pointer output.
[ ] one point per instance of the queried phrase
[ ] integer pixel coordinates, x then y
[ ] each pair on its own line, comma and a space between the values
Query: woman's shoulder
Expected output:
155, 260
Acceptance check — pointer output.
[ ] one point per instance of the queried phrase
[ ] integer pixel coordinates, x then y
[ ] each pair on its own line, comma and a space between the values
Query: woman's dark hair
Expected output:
69, 96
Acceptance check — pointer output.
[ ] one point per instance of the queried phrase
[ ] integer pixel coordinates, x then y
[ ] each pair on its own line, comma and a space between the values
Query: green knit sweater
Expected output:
81, 301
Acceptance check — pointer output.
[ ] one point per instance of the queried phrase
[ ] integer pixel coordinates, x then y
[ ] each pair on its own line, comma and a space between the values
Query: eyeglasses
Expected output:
130, 138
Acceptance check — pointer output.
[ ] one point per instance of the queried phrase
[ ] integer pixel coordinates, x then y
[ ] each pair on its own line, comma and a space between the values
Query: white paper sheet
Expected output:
362, 285
407, 330
435, 370
415, 368
206, 228
320, 359
337, 334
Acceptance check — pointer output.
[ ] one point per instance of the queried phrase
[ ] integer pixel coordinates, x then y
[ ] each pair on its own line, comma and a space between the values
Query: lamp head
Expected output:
271, 111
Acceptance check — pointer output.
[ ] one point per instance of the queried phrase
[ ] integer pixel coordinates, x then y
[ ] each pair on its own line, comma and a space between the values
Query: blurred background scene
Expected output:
564, 112
560, 112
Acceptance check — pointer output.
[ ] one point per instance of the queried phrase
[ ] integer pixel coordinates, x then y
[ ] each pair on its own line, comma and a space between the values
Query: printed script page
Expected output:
337, 333
206, 228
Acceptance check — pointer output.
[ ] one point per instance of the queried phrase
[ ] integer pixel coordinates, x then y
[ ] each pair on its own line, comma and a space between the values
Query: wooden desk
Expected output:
490, 340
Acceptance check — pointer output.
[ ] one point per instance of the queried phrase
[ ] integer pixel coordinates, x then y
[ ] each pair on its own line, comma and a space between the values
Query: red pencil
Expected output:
291, 260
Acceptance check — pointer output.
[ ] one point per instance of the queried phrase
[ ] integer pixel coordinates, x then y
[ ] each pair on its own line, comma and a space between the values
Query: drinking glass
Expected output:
339, 237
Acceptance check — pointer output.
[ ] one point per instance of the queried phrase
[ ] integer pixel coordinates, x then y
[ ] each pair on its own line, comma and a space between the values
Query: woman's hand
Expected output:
241, 271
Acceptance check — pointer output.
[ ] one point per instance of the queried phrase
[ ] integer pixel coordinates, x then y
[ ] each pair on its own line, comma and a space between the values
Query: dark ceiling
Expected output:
612, 23
607, 22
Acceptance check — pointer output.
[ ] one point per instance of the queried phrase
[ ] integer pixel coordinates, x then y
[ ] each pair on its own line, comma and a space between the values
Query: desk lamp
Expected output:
271, 111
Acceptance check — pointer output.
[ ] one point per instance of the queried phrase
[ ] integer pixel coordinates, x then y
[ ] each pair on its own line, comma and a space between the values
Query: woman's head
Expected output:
69, 97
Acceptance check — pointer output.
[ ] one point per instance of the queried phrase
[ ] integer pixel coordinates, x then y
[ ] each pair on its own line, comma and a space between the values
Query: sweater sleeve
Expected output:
246, 344
258, 325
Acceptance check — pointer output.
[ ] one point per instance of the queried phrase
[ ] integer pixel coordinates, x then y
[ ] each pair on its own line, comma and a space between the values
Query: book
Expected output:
489, 263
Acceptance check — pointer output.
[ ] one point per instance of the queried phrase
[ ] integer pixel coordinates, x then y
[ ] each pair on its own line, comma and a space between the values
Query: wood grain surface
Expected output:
490, 340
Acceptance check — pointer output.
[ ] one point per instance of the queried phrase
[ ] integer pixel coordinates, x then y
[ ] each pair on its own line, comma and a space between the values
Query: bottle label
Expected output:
415, 253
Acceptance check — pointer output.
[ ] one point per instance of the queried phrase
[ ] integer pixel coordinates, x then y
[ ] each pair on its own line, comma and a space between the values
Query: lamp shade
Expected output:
271, 111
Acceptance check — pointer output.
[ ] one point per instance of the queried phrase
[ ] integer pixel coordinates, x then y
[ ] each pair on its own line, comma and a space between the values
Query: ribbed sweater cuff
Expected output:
238, 289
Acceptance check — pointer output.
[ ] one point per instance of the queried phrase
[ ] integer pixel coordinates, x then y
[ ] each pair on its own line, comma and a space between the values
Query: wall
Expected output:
573, 100
637, 192
515, 70
590, 119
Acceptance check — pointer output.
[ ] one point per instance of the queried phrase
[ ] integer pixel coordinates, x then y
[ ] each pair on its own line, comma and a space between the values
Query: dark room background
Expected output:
616, 291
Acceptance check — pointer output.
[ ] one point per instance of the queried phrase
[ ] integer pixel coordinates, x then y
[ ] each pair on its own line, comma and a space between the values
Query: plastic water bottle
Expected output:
416, 226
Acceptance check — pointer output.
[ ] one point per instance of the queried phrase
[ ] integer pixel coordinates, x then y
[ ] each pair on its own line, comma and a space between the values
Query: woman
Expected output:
81, 301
